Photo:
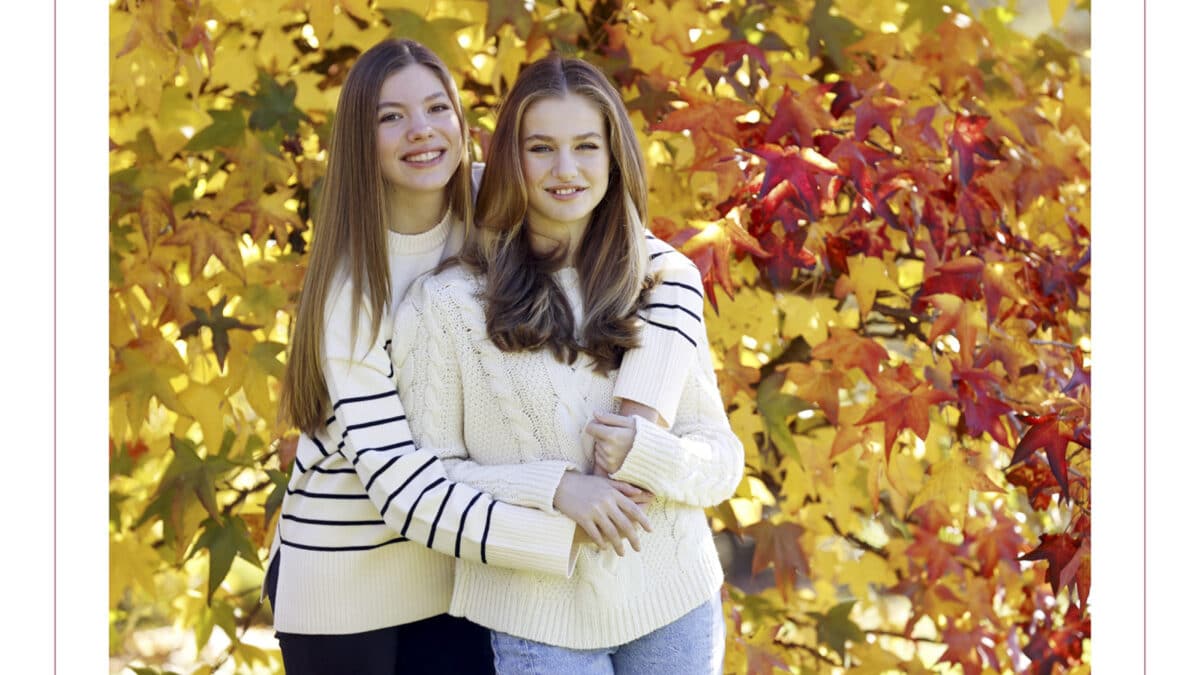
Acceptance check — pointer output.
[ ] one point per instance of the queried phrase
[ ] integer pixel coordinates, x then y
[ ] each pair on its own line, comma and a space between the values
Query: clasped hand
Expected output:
606, 510
612, 437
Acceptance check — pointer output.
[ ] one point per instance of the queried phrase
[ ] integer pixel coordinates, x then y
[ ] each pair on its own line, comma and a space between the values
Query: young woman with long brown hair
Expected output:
514, 362
360, 572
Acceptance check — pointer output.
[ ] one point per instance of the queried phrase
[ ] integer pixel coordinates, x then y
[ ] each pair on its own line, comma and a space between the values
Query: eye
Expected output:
588, 146
540, 147
390, 117
439, 107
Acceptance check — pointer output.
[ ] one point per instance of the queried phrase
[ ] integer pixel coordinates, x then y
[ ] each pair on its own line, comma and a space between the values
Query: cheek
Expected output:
529, 170
453, 132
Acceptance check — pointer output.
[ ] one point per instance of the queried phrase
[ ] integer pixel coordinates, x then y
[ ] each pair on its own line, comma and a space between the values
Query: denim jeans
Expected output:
693, 644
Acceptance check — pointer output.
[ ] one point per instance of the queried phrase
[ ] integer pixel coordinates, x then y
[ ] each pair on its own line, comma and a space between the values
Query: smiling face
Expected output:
418, 136
565, 161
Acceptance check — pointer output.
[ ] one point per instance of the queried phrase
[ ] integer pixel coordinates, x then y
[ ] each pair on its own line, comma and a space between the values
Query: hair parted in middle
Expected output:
349, 226
525, 307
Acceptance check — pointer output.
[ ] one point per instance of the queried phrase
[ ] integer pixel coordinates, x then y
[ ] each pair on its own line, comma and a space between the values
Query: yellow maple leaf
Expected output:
807, 317
869, 275
952, 480
207, 406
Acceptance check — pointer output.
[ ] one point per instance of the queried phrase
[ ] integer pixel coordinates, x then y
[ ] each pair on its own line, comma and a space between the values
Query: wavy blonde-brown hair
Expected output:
526, 309
350, 225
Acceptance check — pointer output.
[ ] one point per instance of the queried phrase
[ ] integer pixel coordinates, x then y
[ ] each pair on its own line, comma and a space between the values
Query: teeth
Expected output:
424, 156
565, 191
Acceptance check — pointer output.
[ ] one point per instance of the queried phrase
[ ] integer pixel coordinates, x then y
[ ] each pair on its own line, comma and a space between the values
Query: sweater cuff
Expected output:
537, 482
654, 373
655, 454
528, 539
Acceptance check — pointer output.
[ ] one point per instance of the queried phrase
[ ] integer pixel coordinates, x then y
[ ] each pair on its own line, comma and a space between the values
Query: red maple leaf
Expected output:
778, 546
920, 126
1058, 550
819, 385
845, 93
968, 649
981, 411
928, 555
999, 543
847, 349
958, 276
1049, 645
798, 117
712, 260
875, 110
1079, 377
1035, 476
900, 407
1048, 435
781, 204
968, 141
731, 51
800, 167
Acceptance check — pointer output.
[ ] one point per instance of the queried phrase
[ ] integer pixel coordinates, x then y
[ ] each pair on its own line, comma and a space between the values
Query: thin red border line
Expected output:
54, 348
1145, 318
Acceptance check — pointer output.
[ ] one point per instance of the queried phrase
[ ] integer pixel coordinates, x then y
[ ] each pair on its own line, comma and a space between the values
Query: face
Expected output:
565, 160
418, 134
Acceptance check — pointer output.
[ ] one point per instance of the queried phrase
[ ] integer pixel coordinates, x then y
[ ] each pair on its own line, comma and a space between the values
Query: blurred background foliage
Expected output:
889, 202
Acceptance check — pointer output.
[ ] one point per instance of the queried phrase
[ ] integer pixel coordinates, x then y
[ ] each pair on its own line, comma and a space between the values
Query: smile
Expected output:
426, 157
565, 192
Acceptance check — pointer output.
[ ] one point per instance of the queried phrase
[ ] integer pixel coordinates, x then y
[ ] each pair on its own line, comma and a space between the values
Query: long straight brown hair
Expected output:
350, 226
526, 309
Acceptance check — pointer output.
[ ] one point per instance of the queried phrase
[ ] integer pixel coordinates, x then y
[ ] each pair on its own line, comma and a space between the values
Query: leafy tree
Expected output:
890, 207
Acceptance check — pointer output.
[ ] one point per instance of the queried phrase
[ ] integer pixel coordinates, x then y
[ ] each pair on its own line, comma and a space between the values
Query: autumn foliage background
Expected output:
890, 206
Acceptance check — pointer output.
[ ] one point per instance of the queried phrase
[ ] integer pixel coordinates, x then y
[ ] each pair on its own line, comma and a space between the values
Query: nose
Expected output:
420, 128
564, 166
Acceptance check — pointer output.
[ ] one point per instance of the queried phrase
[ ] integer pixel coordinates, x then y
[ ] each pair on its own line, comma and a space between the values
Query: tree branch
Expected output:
855, 540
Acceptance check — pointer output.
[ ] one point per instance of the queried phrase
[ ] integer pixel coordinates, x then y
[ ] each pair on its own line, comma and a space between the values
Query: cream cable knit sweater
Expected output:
504, 409
344, 567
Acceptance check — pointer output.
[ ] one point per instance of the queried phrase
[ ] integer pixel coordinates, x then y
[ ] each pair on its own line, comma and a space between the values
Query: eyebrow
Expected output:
394, 104
580, 137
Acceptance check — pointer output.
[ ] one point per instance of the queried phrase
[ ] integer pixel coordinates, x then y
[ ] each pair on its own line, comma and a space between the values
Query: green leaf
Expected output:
226, 131
275, 500
224, 538
274, 105
265, 356
220, 325
828, 35
835, 629
439, 34
776, 407
929, 13
510, 12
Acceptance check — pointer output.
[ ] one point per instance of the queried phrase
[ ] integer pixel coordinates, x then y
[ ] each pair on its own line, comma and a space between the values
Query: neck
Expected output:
548, 239
410, 213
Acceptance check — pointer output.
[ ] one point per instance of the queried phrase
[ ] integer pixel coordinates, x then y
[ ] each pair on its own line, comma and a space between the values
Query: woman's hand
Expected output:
604, 508
612, 440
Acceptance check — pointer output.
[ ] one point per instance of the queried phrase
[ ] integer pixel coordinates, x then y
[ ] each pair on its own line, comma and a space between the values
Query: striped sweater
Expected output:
517, 412
370, 521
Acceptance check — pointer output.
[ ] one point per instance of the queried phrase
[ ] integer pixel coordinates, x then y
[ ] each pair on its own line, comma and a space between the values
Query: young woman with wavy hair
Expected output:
360, 572
516, 346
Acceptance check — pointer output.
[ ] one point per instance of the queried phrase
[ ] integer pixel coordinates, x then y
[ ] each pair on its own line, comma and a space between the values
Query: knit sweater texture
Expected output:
371, 522
515, 413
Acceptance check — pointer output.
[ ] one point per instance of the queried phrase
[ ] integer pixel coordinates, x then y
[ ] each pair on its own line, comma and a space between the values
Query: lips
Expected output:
424, 156
565, 191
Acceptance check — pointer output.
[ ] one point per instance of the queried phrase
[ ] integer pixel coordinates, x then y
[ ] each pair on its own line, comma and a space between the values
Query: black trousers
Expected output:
440, 644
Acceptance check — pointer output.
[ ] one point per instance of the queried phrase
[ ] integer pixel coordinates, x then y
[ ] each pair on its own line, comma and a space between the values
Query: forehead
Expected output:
411, 85
563, 117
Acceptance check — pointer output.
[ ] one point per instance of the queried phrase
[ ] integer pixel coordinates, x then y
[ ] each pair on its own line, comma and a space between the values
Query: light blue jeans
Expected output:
693, 644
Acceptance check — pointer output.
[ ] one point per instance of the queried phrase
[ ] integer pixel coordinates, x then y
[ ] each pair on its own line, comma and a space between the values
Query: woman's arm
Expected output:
408, 484
699, 461
428, 345
652, 376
